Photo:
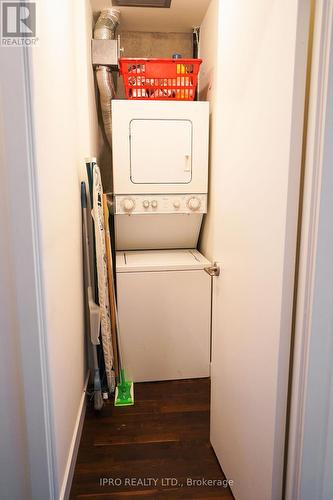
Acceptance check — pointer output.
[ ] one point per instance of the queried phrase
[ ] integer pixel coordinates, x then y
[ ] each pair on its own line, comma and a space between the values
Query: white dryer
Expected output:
164, 305
160, 172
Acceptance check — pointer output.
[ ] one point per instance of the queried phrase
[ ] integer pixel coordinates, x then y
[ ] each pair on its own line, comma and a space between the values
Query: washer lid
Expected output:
160, 260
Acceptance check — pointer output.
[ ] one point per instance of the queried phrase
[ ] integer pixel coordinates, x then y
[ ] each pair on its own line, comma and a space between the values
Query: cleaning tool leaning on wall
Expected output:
102, 277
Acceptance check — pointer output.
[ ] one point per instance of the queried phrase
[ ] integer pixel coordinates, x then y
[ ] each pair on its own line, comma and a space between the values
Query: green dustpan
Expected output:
124, 395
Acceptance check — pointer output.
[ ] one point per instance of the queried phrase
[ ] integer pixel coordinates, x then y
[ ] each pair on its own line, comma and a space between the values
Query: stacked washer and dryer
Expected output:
160, 180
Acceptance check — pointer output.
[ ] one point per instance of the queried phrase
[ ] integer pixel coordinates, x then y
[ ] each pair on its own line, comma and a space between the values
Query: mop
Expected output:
124, 395
94, 311
108, 254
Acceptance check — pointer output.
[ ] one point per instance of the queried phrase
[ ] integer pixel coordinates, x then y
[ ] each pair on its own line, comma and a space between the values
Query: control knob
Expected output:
176, 203
193, 203
145, 204
128, 204
154, 204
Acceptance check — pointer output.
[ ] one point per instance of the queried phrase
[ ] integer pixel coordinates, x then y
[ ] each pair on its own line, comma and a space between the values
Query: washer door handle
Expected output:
213, 270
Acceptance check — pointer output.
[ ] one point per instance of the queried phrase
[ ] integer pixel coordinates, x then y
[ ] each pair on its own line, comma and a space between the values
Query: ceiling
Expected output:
181, 17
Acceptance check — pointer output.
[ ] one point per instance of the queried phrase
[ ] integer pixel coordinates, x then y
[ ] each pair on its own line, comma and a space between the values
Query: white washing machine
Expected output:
164, 305
160, 172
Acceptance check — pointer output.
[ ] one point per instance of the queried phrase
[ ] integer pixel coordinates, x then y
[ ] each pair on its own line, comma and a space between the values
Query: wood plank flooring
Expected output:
152, 449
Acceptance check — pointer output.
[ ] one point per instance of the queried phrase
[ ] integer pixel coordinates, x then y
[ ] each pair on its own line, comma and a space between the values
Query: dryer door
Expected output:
161, 151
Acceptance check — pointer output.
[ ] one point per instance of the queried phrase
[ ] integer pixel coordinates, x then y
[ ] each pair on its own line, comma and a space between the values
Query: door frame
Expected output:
311, 205
19, 182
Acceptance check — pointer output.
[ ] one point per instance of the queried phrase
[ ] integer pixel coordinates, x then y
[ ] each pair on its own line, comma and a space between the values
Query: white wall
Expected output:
180, 17
209, 89
66, 131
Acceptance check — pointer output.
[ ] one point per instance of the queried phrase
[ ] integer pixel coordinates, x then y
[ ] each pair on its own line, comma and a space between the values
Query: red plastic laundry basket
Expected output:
161, 79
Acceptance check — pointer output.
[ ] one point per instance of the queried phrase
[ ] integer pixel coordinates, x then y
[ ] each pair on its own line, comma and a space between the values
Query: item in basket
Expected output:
184, 81
137, 81
180, 69
162, 93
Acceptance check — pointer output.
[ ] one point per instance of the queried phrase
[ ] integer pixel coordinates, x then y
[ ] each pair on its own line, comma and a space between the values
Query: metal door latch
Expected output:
213, 270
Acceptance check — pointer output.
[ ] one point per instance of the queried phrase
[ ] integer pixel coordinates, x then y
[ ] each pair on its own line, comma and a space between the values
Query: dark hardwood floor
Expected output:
153, 449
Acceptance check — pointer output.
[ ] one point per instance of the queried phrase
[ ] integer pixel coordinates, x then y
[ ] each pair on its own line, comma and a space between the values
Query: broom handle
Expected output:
85, 222
111, 285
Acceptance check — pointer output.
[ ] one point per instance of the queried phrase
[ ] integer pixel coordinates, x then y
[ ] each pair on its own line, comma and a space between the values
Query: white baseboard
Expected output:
74, 448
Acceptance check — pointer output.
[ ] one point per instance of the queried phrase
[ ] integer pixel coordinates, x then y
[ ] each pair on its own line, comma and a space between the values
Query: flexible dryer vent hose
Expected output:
105, 29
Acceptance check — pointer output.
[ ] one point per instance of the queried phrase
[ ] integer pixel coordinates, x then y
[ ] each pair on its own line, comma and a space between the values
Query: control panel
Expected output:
160, 204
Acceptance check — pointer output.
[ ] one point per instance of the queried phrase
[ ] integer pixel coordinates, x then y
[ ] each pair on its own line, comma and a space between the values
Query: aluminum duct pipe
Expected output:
106, 94
105, 29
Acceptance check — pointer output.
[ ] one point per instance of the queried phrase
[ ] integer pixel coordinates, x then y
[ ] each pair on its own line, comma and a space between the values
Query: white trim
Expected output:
21, 173
308, 250
74, 447
36, 242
